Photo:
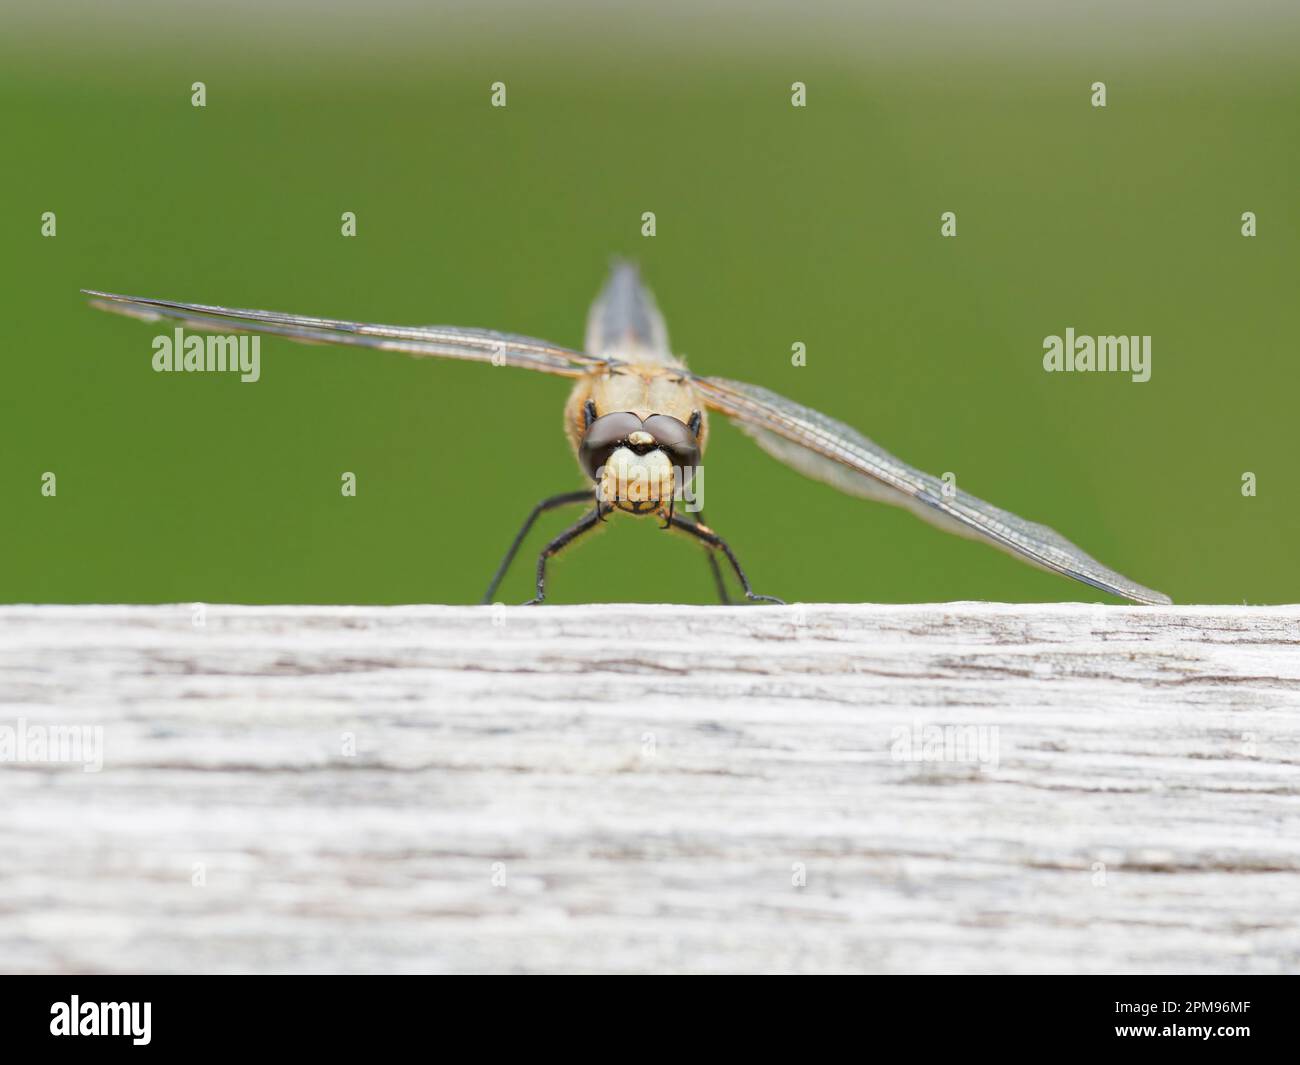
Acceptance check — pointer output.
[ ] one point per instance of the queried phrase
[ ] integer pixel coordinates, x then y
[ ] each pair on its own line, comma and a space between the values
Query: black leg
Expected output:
672, 509
543, 506
704, 533
723, 597
556, 546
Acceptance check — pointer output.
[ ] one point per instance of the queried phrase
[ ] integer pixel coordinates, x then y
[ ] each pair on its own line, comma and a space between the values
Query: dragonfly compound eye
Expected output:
605, 435
675, 439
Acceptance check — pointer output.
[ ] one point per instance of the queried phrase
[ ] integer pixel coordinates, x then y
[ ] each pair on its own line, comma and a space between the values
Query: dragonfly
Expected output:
637, 419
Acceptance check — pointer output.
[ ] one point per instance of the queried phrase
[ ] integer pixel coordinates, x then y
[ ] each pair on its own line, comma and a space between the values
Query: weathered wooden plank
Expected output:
641, 788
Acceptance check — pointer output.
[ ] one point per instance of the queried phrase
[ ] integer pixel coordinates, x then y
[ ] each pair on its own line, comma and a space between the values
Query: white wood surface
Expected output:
650, 780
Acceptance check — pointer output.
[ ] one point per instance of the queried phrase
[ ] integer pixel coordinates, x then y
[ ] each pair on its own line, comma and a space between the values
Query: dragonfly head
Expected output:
637, 463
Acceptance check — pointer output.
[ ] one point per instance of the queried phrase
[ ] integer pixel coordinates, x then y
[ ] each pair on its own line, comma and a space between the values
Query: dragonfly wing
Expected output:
828, 450
476, 345
624, 322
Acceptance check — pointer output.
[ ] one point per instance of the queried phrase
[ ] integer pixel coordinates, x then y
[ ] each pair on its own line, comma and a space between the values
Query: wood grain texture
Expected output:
965, 787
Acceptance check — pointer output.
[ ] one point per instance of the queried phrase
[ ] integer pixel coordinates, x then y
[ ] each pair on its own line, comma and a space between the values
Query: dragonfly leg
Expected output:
545, 505
723, 597
702, 532
556, 546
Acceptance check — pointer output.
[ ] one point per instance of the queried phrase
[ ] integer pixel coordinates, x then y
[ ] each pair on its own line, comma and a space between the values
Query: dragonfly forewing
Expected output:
448, 342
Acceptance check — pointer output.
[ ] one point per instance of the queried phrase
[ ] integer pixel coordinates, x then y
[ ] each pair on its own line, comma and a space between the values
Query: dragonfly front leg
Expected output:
702, 532
556, 546
721, 585
545, 505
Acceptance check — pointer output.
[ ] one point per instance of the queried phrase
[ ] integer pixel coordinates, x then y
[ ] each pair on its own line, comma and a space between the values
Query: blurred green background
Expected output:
775, 225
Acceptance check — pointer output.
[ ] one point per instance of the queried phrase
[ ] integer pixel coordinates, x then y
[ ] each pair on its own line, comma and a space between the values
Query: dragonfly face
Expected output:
638, 464
637, 420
